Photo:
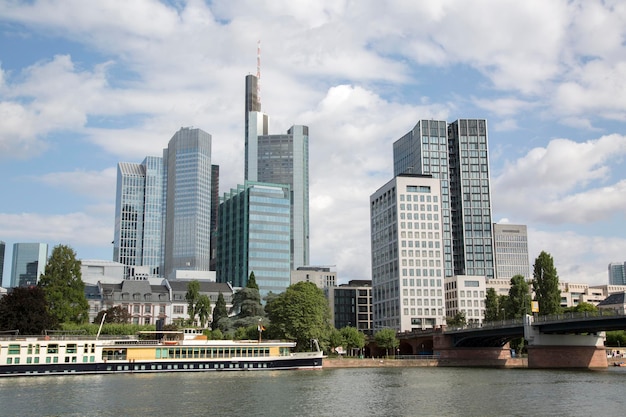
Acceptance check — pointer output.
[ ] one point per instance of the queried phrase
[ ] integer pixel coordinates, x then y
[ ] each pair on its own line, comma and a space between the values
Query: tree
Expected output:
546, 285
518, 303
63, 286
300, 313
335, 339
26, 309
458, 320
252, 282
492, 305
581, 308
115, 314
352, 338
386, 339
219, 311
192, 296
203, 308
247, 303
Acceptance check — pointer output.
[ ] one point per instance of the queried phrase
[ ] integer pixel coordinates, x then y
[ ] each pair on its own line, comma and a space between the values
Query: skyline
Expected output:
84, 86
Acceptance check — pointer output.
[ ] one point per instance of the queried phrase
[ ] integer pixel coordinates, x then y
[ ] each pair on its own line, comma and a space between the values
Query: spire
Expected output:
258, 73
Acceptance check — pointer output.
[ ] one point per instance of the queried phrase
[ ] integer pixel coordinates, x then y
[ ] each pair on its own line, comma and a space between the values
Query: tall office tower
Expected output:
407, 253
254, 236
424, 150
187, 169
215, 205
510, 246
2, 249
29, 262
280, 159
472, 242
138, 216
617, 273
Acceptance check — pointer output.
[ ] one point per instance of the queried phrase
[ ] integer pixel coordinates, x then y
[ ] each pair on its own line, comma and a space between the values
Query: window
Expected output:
179, 309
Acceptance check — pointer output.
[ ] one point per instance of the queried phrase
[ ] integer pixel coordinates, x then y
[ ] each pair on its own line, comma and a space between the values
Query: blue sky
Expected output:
84, 85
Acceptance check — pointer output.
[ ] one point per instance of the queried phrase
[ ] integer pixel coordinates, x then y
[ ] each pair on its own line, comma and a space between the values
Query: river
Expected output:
329, 392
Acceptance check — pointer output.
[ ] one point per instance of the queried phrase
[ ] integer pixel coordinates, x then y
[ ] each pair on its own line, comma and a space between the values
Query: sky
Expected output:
87, 84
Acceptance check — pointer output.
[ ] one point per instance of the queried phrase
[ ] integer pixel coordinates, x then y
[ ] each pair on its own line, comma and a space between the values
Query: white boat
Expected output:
147, 352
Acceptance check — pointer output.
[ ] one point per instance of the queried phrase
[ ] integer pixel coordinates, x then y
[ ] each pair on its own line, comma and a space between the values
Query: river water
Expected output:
328, 392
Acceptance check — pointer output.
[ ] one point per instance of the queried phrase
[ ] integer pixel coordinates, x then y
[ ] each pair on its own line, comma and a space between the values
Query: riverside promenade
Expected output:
404, 363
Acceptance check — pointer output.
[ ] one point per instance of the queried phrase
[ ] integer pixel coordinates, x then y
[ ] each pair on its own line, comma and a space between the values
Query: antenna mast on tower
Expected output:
258, 73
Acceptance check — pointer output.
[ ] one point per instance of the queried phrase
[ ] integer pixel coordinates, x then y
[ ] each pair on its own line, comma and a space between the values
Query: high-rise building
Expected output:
188, 186
2, 250
29, 262
280, 159
456, 154
351, 305
617, 273
472, 241
510, 245
138, 216
254, 236
407, 253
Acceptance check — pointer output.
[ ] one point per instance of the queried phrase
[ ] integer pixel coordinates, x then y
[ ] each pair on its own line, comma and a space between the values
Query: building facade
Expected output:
510, 245
254, 236
321, 276
137, 238
29, 262
466, 294
187, 168
2, 251
407, 253
617, 273
351, 305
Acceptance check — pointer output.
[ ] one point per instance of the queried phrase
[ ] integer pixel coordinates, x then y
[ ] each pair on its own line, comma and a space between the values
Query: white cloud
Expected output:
99, 185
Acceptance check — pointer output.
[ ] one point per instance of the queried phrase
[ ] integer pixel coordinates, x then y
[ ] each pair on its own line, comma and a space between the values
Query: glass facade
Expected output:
617, 273
29, 262
2, 251
254, 236
510, 245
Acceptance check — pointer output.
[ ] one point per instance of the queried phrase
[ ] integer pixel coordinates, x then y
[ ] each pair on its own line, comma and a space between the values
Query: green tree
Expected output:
26, 310
301, 313
335, 339
219, 311
518, 303
203, 309
115, 314
581, 308
616, 338
352, 338
63, 286
492, 305
192, 296
252, 282
458, 320
546, 285
503, 302
386, 339
247, 303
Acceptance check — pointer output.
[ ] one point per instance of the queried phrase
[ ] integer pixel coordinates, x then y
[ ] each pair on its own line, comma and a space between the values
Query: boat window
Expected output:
14, 349
53, 348
71, 348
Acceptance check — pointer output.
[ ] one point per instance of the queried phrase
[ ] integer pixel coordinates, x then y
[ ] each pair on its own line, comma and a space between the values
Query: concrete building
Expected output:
351, 305
254, 236
93, 271
457, 154
178, 290
2, 251
617, 273
280, 159
29, 262
510, 245
466, 294
407, 253
321, 276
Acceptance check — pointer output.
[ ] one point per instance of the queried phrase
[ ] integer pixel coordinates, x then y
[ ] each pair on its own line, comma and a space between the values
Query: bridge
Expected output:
570, 340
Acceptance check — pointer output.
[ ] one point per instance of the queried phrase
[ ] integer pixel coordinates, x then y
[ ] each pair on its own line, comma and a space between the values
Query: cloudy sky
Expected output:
87, 84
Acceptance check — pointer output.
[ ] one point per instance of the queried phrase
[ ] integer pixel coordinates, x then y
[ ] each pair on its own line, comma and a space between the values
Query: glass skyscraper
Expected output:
187, 169
138, 215
280, 159
254, 236
2, 251
457, 154
29, 262
617, 273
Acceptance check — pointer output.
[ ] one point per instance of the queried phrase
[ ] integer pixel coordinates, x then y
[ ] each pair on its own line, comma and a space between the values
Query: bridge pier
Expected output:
449, 355
564, 350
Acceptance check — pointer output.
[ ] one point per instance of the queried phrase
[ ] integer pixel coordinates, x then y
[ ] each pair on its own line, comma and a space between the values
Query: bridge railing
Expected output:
488, 324
582, 315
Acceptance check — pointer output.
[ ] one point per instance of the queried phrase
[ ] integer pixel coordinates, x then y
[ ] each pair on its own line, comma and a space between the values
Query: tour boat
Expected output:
147, 352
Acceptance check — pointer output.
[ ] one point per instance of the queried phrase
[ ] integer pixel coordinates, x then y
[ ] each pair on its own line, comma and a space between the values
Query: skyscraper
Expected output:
29, 262
254, 236
457, 155
407, 253
617, 273
510, 245
280, 159
187, 169
2, 250
138, 215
